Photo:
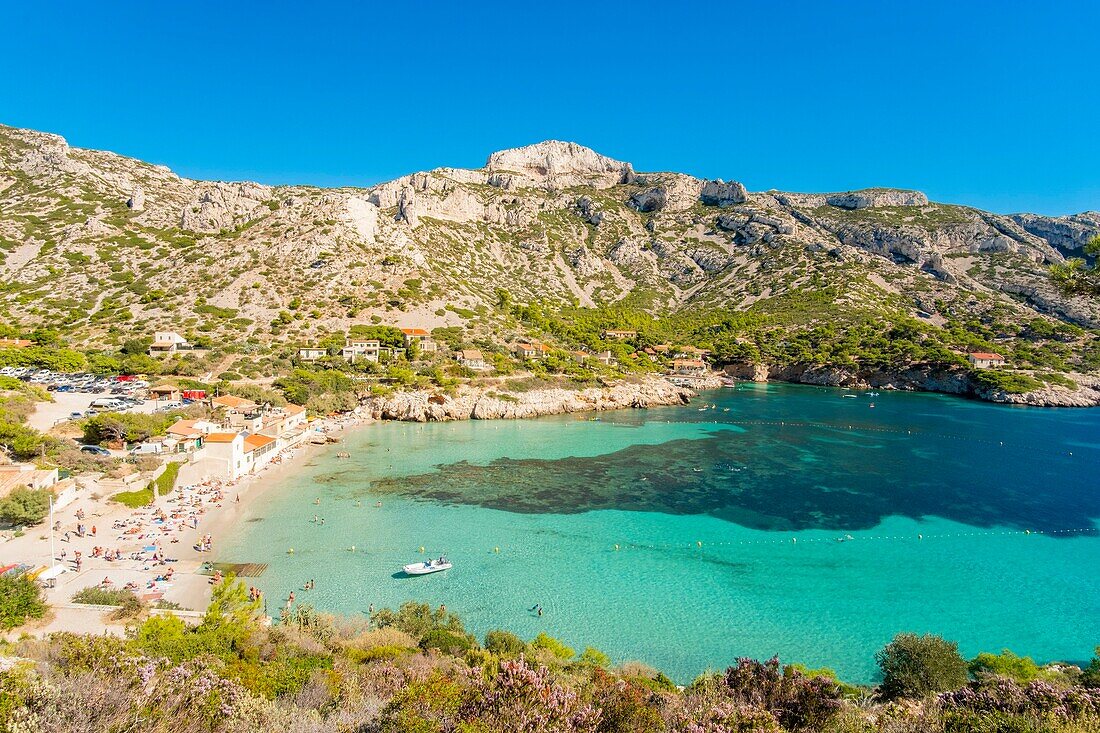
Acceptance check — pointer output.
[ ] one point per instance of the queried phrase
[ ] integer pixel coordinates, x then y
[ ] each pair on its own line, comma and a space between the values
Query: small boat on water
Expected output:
428, 566
872, 394
849, 395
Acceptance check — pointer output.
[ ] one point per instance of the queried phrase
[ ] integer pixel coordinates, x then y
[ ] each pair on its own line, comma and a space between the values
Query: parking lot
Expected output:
80, 395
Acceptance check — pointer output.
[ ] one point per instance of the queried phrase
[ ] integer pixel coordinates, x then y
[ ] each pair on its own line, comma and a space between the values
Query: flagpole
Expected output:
53, 550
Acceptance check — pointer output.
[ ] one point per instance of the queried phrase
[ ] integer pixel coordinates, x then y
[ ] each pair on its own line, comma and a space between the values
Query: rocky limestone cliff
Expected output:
1067, 233
487, 404
555, 164
924, 378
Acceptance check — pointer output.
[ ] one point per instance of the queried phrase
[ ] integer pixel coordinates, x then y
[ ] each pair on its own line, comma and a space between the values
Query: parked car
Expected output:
95, 450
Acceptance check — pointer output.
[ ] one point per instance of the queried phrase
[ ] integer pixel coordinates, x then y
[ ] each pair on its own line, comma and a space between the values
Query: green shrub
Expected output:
1005, 664
25, 506
504, 643
917, 666
20, 599
384, 653
164, 484
1009, 382
445, 641
552, 645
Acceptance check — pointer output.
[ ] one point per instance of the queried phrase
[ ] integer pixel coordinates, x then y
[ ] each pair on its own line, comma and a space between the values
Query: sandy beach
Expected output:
156, 551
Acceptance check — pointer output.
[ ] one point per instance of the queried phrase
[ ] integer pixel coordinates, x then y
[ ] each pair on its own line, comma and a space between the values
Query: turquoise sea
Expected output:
787, 520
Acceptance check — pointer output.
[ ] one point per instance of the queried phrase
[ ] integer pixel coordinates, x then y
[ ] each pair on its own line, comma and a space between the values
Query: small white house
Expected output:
985, 360
471, 359
312, 353
356, 349
166, 342
421, 338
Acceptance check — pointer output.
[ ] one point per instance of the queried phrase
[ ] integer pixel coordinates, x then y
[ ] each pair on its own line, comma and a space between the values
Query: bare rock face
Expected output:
720, 193
876, 197
584, 261
751, 227
136, 201
589, 210
555, 164
1067, 233
221, 206
672, 192
869, 198
484, 404
628, 252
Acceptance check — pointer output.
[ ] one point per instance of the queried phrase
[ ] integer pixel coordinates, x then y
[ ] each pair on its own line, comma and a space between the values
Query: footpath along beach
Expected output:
157, 551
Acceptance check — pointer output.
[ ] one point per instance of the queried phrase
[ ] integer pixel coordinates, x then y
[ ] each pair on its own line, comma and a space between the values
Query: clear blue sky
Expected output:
993, 104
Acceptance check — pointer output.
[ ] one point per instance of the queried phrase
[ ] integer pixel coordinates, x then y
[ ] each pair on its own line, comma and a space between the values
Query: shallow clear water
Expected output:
726, 525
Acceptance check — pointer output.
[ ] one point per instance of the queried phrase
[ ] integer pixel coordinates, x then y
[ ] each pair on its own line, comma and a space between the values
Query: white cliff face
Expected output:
220, 206
486, 404
555, 164
1067, 233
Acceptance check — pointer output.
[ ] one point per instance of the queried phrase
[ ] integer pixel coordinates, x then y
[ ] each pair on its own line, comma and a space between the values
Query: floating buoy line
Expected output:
699, 547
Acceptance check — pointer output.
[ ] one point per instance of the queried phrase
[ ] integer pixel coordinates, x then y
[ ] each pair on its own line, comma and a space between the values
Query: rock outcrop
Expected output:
555, 164
222, 206
922, 378
721, 193
873, 198
487, 404
1067, 233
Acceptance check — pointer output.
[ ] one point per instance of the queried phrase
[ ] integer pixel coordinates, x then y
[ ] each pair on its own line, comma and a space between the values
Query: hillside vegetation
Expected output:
551, 240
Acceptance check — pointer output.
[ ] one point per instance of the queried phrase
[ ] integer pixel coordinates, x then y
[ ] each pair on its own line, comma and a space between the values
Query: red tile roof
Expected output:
987, 355
252, 442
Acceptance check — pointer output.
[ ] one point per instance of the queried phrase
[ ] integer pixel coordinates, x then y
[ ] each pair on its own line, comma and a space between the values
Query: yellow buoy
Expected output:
698, 543
421, 548
496, 549
616, 548
290, 551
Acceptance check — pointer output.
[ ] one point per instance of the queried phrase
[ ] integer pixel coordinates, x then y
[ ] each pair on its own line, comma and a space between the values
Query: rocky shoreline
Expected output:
924, 378
496, 404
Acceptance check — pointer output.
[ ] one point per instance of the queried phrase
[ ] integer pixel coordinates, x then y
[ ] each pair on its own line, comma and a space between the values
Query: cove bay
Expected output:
768, 519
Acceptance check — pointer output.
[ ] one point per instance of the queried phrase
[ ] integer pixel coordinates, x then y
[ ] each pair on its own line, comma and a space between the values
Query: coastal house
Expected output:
580, 356
186, 436
985, 360
605, 358
261, 448
16, 475
471, 359
689, 367
167, 342
421, 338
312, 353
690, 352
616, 334
225, 450
533, 350
286, 424
15, 343
237, 412
356, 349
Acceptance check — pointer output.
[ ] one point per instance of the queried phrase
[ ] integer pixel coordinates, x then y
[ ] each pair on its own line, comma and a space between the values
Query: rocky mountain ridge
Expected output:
104, 247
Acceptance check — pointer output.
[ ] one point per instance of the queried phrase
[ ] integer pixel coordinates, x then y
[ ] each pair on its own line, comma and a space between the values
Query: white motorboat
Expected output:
428, 566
